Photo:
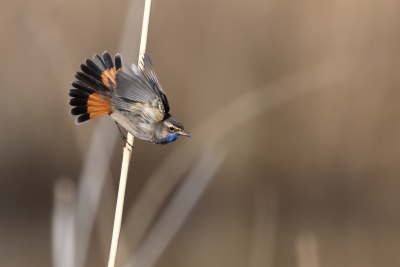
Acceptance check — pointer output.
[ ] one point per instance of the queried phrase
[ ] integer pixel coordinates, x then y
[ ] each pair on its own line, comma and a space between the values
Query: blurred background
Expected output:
294, 112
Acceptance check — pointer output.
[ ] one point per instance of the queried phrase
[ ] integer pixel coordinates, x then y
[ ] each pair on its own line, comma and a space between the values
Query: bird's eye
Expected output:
171, 129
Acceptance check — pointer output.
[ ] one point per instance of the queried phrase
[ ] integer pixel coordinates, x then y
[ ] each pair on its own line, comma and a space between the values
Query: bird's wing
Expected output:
132, 92
149, 74
140, 85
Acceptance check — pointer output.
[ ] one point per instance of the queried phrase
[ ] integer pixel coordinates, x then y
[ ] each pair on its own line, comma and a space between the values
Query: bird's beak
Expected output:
184, 133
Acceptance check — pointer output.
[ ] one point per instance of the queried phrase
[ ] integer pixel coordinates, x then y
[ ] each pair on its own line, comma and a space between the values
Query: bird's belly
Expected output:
135, 124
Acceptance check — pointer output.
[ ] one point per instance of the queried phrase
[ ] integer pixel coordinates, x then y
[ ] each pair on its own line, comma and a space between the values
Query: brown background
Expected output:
319, 156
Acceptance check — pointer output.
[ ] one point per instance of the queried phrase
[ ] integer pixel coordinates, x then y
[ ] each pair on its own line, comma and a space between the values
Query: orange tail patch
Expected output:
96, 106
88, 106
108, 76
94, 87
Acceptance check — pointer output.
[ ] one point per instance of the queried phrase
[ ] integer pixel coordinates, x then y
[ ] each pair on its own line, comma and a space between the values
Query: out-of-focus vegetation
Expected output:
302, 98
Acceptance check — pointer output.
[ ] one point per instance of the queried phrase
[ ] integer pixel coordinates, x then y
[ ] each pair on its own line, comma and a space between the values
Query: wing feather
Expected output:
131, 90
147, 70
137, 86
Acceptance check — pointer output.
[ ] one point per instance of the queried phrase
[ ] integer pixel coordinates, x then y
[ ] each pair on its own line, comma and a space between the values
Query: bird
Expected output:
132, 97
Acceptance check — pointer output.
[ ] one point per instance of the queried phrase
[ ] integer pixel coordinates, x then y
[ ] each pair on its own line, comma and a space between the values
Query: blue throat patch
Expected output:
172, 137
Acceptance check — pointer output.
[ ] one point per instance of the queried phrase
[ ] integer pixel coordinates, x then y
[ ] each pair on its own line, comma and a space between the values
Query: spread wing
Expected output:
138, 88
148, 72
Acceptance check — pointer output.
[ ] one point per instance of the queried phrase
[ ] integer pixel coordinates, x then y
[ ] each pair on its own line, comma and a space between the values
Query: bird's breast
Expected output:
138, 125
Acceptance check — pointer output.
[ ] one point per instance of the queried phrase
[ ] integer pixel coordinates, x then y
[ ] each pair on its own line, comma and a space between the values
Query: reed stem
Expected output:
127, 153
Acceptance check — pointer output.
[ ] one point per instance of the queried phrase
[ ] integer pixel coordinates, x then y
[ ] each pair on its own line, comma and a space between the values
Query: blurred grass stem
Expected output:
179, 208
127, 153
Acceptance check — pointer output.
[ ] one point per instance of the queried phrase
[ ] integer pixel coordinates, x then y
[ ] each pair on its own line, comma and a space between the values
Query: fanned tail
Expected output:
91, 96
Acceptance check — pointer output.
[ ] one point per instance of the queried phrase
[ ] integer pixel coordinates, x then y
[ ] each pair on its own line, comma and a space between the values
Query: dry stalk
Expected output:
127, 152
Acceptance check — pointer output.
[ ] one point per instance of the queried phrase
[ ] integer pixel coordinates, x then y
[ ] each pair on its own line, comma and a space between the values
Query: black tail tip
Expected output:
75, 111
82, 119
77, 102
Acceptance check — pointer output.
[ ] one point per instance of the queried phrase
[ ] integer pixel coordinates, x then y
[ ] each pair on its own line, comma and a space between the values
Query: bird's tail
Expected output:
91, 96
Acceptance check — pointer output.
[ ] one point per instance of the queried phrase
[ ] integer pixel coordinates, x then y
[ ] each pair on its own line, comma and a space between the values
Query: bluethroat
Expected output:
132, 97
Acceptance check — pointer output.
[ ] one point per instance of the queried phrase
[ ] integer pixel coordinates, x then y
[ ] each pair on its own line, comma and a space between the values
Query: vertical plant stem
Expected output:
127, 153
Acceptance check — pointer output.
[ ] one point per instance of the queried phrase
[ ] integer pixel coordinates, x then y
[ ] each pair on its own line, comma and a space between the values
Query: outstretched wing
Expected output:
148, 72
138, 88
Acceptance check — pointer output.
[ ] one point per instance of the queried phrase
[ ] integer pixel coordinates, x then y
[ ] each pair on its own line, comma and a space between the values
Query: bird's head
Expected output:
170, 130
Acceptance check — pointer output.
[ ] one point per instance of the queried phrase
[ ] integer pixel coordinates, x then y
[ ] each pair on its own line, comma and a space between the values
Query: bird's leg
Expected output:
123, 136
